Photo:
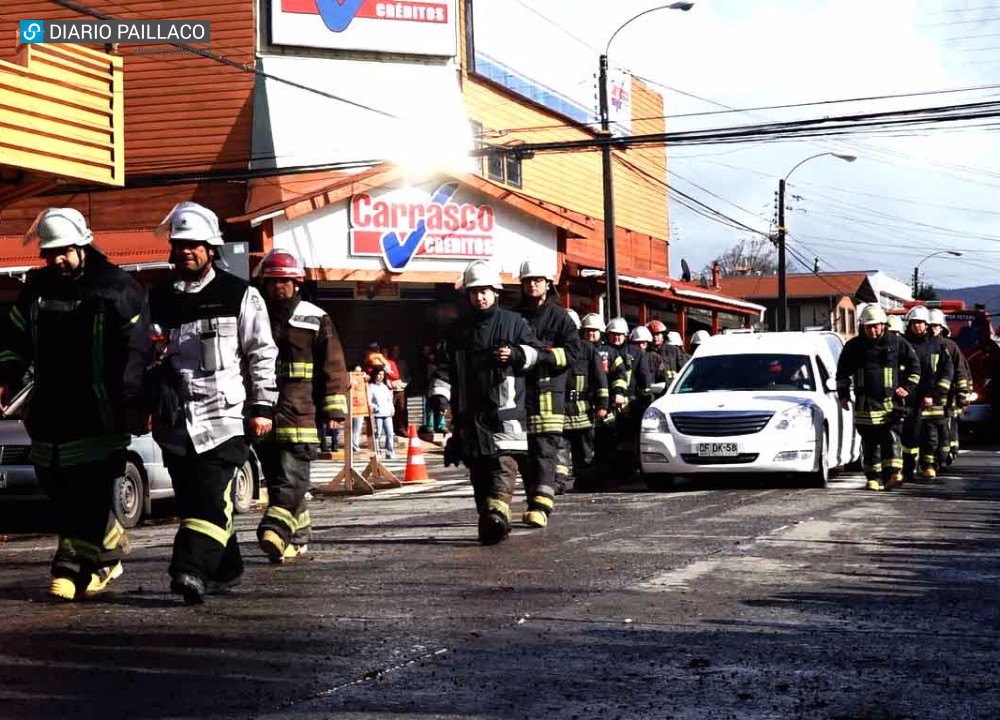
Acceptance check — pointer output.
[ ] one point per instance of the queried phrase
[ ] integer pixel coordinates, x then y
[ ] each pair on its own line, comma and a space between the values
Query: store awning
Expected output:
680, 292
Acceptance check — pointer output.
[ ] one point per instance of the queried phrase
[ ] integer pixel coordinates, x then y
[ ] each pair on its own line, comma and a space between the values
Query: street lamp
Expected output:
610, 260
782, 319
916, 270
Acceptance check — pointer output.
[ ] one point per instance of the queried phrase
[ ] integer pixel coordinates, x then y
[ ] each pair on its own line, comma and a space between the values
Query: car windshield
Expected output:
762, 372
965, 330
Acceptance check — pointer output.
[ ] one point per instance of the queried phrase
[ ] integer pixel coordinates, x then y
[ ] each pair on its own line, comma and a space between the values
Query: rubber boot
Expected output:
537, 514
494, 522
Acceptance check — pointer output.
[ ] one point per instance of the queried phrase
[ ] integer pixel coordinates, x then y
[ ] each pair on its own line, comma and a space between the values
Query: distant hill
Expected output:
989, 295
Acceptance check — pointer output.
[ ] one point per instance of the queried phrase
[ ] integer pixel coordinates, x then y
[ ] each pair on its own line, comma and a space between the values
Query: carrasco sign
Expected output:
438, 227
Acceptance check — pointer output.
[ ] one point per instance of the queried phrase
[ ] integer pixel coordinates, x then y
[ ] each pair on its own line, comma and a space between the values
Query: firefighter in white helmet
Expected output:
546, 399
697, 339
925, 428
312, 392
674, 354
958, 396
586, 401
219, 356
883, 371
488, 353
82, 324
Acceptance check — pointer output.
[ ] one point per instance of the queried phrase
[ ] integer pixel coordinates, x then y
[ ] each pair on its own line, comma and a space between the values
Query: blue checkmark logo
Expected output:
397, 252
32, 31
338, 14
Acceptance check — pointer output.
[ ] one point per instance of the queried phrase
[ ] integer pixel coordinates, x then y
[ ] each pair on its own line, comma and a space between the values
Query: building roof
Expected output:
123, 247
805, 285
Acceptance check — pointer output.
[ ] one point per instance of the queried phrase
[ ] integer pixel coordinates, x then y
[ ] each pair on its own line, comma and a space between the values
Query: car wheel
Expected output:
821, 475
659, 483
243, 487
129, 496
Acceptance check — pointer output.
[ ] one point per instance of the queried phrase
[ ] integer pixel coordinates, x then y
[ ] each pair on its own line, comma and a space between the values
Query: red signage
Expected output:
438, 227
426, 12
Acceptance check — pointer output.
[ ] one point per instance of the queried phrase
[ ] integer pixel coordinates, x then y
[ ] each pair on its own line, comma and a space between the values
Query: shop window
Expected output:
513, 163
495, 166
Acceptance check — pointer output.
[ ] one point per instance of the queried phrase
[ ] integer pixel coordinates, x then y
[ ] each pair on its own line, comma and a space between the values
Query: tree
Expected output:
926, 292
750, 256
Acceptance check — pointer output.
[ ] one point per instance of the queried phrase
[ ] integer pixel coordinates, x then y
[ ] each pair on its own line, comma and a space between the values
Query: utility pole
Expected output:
781, 323
607, 170
916, 282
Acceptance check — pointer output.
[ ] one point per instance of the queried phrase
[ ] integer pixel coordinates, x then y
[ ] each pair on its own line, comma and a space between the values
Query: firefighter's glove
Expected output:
452, 452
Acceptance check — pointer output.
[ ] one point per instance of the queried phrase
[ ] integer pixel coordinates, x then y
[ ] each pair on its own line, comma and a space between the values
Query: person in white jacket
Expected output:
219, 363
380, 399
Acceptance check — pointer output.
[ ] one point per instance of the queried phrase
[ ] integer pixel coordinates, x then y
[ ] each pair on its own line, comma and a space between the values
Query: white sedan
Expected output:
751, 403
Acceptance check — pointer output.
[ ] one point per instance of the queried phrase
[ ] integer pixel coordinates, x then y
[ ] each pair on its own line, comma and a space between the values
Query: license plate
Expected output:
719, 449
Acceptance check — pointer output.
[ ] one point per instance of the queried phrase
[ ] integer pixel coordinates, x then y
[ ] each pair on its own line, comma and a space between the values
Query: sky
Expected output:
909, 194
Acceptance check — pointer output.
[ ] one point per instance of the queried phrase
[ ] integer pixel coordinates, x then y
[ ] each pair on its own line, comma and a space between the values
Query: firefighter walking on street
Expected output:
924, 428
82, 324
219, 356
958, 396
312, 390
883, 370
586, 403
481, 372
546, 398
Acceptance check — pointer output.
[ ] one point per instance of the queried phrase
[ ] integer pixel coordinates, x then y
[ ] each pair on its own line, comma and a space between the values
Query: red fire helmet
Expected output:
656, 326
282, 265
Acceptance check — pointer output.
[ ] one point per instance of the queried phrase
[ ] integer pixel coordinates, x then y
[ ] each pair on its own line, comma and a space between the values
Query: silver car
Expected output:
145, 479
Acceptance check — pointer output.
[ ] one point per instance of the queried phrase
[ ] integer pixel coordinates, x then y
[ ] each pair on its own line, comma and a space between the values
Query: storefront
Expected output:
383, 252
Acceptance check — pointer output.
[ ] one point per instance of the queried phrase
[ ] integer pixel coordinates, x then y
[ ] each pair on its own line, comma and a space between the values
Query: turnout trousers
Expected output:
494, 478
581, 445
286, 472
205, 544
882, 452
90, 536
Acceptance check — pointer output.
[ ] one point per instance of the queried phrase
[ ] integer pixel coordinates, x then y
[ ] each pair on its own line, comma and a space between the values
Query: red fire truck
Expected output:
975, 334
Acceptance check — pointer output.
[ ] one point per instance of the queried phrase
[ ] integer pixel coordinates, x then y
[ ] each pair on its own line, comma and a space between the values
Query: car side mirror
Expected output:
830, 385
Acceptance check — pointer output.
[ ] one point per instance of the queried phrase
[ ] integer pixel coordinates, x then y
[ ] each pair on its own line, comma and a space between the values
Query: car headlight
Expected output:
797, 419
654, 420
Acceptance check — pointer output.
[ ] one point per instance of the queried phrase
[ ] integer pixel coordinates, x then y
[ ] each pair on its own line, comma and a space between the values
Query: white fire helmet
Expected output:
191, 222
872, 315
592, 321
640, 333
699, 337
533, 269
574, 316
480, 274
918, 314
59, 228
617, 325
937, 317
674, 338
895, 324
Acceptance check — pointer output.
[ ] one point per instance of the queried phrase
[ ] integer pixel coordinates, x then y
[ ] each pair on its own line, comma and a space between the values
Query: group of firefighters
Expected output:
910, 385
206, 361
536, 389
209, 363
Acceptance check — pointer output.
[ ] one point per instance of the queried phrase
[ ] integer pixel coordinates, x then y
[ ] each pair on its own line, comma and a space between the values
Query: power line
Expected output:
84, 10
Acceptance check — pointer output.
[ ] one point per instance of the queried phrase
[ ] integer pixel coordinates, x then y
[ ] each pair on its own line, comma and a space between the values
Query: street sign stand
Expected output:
375, 475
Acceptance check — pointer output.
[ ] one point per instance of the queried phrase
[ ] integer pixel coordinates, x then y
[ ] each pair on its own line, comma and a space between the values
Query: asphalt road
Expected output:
727, 601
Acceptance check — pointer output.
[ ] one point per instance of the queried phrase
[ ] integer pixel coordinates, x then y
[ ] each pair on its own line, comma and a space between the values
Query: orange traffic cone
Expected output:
416, 467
